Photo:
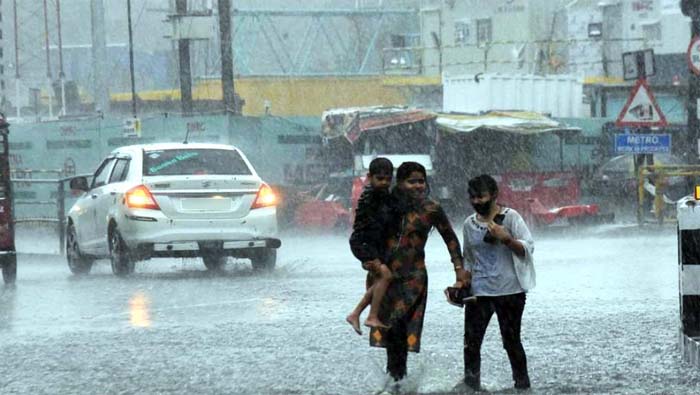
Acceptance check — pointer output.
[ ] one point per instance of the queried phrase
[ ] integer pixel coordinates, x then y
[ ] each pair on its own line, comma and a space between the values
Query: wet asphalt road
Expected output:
603, 319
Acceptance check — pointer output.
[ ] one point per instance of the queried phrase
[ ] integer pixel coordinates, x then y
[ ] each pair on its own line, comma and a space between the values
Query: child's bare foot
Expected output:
375, 323
354, 321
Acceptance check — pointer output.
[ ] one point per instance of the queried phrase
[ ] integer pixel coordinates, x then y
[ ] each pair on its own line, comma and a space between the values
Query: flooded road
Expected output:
603, 319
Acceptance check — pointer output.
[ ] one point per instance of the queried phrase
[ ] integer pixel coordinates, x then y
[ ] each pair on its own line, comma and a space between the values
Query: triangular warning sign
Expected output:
641, 108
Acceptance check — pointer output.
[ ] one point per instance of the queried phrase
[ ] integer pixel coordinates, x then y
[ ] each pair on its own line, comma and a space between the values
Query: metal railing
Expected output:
660, 175
59, 202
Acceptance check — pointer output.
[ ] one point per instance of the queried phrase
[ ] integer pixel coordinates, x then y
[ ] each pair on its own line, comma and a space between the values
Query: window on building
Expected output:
483, 31
652, 31
398, 41
462, 33
405, 40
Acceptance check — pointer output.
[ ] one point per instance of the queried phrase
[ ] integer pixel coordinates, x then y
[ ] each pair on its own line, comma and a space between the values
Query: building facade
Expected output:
474, 36
607, 29
581, 37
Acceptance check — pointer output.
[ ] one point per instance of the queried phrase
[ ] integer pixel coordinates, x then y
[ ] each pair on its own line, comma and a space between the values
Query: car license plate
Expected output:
206, 204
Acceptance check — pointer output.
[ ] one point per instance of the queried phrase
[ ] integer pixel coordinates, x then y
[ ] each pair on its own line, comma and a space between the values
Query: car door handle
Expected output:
113, 193
94, 196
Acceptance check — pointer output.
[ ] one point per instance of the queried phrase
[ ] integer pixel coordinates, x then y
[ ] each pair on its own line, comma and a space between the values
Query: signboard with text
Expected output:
642, 143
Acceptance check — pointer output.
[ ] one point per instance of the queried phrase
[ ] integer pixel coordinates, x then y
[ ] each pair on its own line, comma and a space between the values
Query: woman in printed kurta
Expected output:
404, 304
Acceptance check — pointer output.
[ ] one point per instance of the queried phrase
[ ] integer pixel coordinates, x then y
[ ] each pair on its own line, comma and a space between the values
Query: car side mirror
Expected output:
79, 184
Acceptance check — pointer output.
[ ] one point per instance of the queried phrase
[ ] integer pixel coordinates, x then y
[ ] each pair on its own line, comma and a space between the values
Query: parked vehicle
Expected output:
354, 136
548, 199
8, 256
172, 200
526, 152
455, 147
617, 178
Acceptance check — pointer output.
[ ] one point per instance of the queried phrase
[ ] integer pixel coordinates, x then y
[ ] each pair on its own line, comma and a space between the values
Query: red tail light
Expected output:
140, 197
266, 197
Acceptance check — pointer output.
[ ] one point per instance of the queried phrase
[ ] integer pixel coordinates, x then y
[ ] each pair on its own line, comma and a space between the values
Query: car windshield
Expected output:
193, 162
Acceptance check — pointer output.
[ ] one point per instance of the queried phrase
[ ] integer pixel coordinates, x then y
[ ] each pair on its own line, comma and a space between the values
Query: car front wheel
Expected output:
77, 262
264, 259
122, 262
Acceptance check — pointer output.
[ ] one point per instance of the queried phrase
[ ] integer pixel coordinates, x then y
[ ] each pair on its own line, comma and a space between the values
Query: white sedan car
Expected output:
172, 200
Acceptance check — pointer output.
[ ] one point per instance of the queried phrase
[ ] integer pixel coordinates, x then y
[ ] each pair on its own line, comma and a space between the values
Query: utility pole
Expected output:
48, 58
184, 57
99, 54
61, 74
18, 107
607, 28
227, 86
131, 60
691, 8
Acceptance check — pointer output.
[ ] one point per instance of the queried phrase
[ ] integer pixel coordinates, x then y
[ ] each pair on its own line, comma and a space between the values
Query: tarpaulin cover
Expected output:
520, 122
352, 122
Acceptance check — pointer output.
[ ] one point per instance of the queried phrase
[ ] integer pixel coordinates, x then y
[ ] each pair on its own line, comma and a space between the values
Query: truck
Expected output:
352, 137
517, 147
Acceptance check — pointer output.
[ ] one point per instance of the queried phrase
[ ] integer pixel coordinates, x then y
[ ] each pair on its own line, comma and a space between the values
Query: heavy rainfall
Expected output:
350, 196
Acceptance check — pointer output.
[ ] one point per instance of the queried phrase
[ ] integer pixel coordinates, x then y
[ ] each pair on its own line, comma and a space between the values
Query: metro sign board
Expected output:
641, 109
642, 143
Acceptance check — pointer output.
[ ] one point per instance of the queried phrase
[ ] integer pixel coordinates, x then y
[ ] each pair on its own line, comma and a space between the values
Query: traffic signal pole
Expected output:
692, 105
691, 8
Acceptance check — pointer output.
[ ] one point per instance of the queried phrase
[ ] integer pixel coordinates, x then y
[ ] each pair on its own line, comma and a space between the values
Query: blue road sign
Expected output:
642, 143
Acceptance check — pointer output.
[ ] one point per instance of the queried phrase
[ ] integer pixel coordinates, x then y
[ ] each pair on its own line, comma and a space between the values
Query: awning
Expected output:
352, 122
519, 122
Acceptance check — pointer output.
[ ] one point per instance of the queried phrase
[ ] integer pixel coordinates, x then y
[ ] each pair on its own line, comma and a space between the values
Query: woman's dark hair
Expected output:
380, 166
406, 168
483, 183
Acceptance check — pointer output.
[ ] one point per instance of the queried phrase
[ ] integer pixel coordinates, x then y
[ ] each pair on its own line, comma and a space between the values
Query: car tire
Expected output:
9, 268
77, 262
119, 255
214, 262
264, 259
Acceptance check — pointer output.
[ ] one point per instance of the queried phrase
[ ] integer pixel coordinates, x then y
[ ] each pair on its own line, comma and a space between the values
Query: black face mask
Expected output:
484, 208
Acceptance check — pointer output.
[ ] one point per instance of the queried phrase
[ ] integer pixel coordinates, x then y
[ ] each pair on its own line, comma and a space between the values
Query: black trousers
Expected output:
509, 310
396, 350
